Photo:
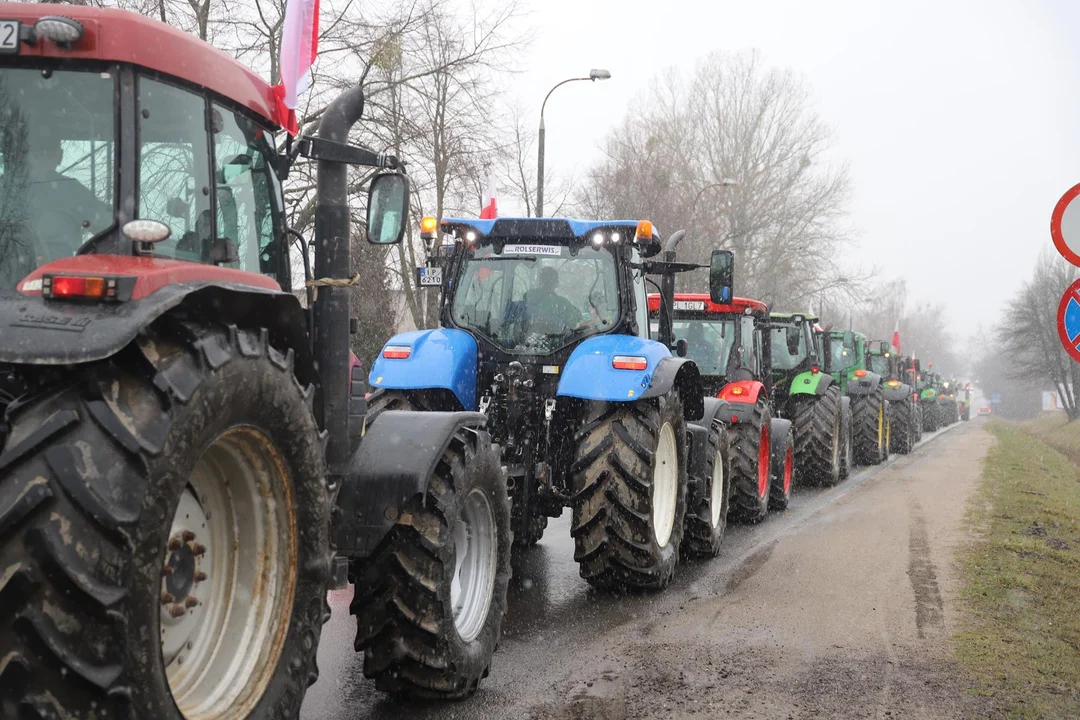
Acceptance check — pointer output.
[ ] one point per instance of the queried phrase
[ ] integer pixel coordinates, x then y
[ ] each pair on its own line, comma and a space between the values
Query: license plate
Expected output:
689, 305
9, 36
429, 276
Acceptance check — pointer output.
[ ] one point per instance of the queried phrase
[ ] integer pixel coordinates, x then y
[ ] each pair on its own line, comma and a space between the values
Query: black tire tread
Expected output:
816, 426
865, 411
73, 473
700, 539
401, 598
746, 504
612, 483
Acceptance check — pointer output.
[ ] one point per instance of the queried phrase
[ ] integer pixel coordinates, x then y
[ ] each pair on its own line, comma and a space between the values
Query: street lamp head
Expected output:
598, 74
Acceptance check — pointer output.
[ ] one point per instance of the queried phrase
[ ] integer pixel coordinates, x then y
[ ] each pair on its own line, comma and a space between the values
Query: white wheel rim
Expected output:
475, 549
665, 485
716, 492
232, 554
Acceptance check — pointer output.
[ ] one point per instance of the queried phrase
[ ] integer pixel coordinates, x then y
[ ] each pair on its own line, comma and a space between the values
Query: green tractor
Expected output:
910, 370
848, 358
950, 411
809, 397
885, 360
929, 388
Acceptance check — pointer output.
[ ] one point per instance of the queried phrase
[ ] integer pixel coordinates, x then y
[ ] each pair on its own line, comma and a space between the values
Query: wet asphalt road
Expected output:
552, 611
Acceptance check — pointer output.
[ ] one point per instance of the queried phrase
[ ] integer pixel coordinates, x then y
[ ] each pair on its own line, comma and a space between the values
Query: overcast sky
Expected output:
959, 119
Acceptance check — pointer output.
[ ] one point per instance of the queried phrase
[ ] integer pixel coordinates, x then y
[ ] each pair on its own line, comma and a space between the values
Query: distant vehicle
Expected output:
985, 410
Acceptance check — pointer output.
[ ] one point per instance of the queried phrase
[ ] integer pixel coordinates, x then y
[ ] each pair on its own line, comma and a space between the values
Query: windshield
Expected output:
840, 357
535, 299
879, 364
788, 347
57, 171
708, 343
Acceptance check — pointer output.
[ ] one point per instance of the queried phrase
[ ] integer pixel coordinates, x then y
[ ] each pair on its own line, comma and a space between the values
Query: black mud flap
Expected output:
393, 464
672, 370
897, 394
864, 385
780, 430
696, 458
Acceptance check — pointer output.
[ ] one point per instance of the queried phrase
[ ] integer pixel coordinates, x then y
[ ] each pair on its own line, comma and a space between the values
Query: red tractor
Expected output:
178, 431
730, 345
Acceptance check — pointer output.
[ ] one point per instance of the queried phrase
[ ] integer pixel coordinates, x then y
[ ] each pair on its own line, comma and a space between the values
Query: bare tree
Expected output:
1028, 335
733, 119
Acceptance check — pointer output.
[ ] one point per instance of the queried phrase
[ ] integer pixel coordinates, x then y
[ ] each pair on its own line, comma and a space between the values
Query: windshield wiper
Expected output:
87, 246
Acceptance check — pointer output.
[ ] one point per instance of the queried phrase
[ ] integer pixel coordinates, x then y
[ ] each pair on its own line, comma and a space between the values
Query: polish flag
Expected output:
299, 48
490, 210
896, 337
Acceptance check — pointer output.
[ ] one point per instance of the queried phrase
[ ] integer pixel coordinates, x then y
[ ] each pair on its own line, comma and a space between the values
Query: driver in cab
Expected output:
61, 206
549, 311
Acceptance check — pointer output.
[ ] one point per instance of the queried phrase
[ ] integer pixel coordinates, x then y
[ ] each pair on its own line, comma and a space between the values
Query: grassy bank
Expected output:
1022, 578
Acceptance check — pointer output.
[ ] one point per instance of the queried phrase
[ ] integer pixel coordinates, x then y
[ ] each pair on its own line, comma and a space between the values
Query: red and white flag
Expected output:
896, 337
299, 48
490, 210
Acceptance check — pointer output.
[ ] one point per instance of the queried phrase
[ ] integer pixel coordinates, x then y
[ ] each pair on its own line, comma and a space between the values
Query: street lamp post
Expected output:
594, 75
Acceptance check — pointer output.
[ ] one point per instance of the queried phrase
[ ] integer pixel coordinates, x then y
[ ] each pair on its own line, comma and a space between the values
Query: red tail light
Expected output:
734, 419
629, 362
397, 352
814, 370
860, 373
70, 286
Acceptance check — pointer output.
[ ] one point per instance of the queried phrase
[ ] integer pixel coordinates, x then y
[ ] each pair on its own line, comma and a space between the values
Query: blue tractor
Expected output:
545, 330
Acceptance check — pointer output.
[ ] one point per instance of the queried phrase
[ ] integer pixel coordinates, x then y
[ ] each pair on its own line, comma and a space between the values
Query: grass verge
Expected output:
1022, 577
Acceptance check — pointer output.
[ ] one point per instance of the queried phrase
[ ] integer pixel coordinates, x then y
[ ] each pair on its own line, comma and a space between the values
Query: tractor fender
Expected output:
780, 430
443, 358
393, 464
864, 385
41, 332
742, 391
589, 373
900, 393
808, 383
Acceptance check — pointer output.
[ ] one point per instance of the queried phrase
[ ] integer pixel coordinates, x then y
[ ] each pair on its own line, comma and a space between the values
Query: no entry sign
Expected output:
1065, 225
1068, 320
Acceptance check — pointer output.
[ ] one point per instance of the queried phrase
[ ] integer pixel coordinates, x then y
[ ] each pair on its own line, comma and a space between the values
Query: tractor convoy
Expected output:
190, 457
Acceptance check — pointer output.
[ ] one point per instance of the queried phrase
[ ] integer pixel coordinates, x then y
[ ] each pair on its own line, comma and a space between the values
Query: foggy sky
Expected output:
958, 119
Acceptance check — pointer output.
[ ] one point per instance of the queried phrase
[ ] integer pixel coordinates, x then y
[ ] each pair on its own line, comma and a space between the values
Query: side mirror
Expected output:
681, 347
388, 208
721, 276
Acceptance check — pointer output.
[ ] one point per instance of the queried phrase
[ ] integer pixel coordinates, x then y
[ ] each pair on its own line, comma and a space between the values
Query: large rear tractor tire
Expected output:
847, 442
918, 415
750, 457
931, 421
164, 535
630, 485
429, 602
818, 437
870, 428
902, 426
707, 507
781, 464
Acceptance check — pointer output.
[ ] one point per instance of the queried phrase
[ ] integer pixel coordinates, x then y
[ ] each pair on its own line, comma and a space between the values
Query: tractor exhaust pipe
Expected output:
667, 292
333, 259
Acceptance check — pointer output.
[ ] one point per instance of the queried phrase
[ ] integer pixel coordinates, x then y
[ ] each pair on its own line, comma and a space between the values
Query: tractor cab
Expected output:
795, 350
107, 157
724, 340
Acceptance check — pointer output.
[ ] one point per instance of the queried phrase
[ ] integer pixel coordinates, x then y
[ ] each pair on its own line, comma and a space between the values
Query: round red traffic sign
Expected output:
1068, 320
1065, 225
